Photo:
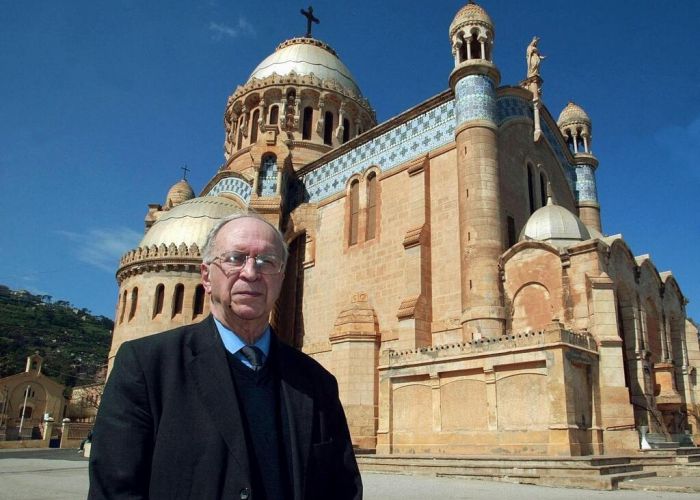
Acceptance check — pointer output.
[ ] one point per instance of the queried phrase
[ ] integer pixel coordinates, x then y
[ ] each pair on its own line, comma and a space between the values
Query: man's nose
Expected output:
249, 269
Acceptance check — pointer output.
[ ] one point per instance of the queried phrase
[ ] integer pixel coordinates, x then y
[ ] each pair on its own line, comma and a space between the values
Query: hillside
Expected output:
73, 342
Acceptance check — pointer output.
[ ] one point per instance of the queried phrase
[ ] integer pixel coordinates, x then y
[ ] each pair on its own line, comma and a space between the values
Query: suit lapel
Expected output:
296, 391
209, 369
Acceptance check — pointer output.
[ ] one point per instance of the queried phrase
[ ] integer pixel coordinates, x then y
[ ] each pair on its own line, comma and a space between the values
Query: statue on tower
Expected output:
533, 58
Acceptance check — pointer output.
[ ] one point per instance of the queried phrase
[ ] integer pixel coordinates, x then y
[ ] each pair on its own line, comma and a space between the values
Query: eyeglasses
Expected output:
232, 262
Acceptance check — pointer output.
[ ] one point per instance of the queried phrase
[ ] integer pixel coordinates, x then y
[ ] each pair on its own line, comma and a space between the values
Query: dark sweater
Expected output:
259, 400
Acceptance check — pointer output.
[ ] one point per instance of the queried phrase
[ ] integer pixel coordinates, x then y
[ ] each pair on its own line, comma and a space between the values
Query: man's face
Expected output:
242, 300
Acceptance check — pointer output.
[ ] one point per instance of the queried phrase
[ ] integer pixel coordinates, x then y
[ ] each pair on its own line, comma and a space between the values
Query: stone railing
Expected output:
159, 252
551, 335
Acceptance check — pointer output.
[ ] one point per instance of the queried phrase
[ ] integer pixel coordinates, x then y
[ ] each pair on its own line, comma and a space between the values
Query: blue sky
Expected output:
101, 103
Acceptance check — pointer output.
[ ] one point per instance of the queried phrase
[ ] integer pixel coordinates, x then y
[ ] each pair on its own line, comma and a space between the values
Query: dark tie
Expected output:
254, 355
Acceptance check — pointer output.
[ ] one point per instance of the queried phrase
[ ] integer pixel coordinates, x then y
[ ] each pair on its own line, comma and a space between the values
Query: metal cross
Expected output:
309, 15
184, 172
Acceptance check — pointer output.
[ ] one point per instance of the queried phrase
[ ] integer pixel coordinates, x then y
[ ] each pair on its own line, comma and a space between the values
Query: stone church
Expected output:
448, 265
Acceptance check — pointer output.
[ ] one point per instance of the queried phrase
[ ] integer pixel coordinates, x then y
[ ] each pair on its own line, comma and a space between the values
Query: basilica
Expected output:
449, 266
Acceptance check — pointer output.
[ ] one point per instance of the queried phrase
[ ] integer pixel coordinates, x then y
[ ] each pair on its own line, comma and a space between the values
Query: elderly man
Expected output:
222, 409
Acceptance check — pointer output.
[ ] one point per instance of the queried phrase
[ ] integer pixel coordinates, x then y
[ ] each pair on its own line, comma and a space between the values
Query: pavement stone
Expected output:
50, 474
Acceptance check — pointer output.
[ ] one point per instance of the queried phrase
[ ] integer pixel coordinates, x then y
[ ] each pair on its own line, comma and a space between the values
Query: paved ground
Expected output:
31, 474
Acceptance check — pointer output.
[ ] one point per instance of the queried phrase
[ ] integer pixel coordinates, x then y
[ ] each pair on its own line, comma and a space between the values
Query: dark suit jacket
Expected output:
169, 425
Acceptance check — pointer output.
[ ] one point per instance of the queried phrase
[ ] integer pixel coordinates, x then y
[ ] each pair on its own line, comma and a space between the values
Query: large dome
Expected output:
555, 225
306, 56
189, 222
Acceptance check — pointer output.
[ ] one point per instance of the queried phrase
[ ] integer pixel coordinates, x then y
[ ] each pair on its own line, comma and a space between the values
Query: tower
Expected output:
575, 126
474, 81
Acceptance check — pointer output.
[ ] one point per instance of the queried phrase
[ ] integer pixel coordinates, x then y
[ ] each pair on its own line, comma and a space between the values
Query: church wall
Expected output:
445, 249
524, 394
516, 150
533, 289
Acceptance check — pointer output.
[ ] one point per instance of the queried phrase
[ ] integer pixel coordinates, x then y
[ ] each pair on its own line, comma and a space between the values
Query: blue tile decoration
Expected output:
268, 176
585, 183
513, 107
409, 140
233, 185
475, 99
434, 129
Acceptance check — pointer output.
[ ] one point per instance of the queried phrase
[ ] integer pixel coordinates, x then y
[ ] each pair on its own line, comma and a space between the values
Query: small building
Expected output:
26, 399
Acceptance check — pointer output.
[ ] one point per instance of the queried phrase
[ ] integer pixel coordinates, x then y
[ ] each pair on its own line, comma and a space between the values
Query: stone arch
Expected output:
532, 307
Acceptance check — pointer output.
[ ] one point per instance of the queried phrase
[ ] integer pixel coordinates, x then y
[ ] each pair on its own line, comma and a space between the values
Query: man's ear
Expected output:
204, 271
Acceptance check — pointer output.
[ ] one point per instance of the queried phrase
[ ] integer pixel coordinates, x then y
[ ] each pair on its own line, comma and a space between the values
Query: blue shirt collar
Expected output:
233, 342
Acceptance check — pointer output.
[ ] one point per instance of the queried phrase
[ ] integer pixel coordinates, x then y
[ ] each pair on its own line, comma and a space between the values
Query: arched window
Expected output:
274, 114
158, 301
198, 301
530, 188
123, 308
267, 178
354, 199
134, 302
346, 130
27, 411
306, 123
254, 127
543, 189
371, 206
178, 299
475, 46
240, 131
328, 128
463, 56
511, 231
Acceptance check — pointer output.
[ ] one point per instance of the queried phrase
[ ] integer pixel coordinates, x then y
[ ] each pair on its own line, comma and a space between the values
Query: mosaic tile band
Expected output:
232, 185
475, 99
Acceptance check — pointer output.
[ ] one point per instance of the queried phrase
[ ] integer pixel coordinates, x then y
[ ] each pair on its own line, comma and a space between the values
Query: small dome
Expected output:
573, 114
179, 193
555, 225
189, 222
470, 15
306, 56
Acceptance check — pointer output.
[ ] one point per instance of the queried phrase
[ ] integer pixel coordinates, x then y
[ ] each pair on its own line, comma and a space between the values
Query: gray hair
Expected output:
209, 244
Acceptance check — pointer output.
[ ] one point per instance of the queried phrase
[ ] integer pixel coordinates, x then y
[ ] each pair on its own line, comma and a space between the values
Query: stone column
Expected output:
480, 218
355, 355
616, 413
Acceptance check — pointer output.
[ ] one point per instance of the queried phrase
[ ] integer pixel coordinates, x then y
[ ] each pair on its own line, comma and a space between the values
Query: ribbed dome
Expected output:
555, 225
573, 114
188, 222
469, 15
179, 193
306, 56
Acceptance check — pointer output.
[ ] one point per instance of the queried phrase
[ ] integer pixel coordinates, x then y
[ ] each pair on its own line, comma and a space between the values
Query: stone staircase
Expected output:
590, 472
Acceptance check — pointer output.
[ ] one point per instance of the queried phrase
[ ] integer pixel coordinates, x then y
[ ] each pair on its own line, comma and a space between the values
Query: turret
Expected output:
474, 81
575, 126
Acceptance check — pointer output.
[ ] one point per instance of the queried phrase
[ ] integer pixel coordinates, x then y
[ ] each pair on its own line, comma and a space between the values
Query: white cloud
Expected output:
103, 247
242, 27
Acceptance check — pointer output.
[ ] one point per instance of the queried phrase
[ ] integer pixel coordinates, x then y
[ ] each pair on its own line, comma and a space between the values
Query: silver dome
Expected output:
306, 56
188, 222
555, 225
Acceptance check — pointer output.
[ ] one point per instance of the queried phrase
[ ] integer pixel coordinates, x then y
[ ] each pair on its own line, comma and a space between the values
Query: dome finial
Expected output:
550, 198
